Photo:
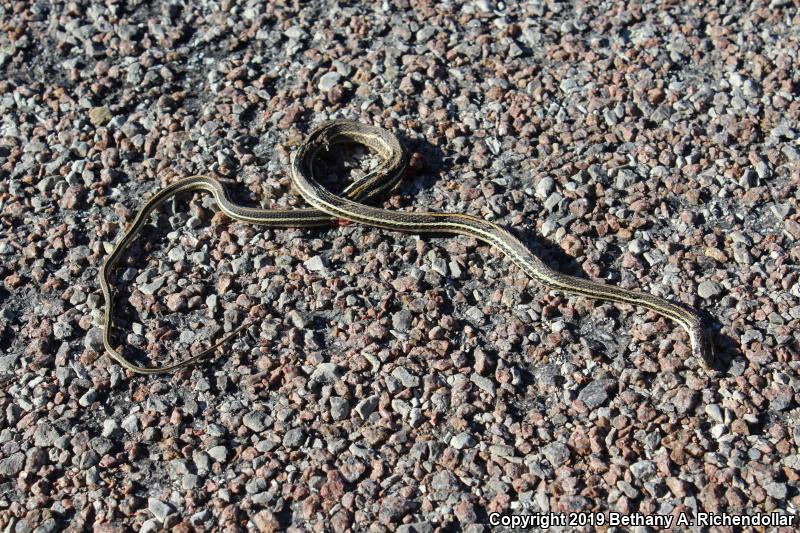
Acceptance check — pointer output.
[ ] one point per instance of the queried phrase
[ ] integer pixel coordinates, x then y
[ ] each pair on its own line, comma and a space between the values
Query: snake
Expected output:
350, 205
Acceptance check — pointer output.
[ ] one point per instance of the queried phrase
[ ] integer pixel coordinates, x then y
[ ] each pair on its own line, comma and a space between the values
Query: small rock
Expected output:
88, 399
297, 319
444, 481
340, 408
152, 286
45, 435
329, 81
190, 481
406, 378
99, 115
557, 453
176, 302
256, 485
713, 410
254, 421
327, 373
365, 407
643, 469
776, 490
315, 264
176, 254
709, 289
110, 427
552, 202
462, 440
625, 178
502, 450
475, 314
159, 509
401, 321
12, 465
266, 521
296, 33
483, 383
549, 226
597, 392
294, 438
684, 400
148, 526
94, 340
545, 187
218, 453
752, 335
242, 264
131, 424
393, 508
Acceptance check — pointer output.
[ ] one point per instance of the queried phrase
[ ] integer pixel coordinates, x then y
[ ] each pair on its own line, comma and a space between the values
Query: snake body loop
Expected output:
328, 207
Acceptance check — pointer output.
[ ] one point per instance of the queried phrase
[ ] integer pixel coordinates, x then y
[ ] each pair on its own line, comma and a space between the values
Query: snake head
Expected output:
702, 346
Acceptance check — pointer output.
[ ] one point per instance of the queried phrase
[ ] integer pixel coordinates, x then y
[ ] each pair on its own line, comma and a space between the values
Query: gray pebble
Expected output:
439, 265
552, 202
110, 428
159, 509
218, 453
176, 254
315, 264
776, 490
327, 373
254, 421
329, 81
242, 265
462, 440
45, 435
625, 178
12, 465
131, 424
597, 392
365, 407
444, 481
713, 410
401, 321
557, 453
190, 481
484, 383
545, 186
406, 378
475, 314
94, 339
88, 399
297, 319
296, 33
340, 408
151, 287
709, 289
628, 489
643, 469
294, 438
202, 462
256, 485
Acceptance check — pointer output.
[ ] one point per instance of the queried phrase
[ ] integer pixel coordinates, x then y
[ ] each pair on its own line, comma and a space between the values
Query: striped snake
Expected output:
327, 208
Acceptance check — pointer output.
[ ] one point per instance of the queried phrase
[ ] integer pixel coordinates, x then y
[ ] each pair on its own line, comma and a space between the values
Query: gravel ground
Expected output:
391, 381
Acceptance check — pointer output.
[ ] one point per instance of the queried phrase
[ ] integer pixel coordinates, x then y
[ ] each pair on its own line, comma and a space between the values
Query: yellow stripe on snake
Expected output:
328, 208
